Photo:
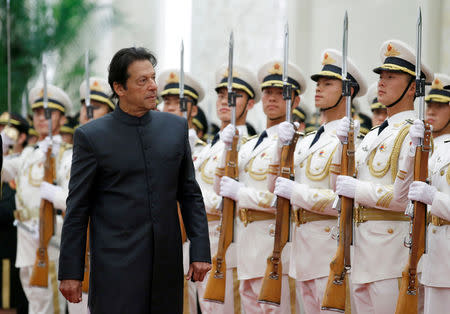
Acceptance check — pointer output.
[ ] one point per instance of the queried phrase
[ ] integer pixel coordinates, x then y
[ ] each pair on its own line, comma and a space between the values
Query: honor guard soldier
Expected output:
256, 204
32, 133
28, 172
169, 90
100, 99
68, 129
380, 224
311, 194
435, 270
14, 132
379, 111
208, 164
200, 124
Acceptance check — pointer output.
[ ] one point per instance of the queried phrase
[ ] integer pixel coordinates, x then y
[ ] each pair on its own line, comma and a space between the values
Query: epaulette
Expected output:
375, 127
363, 131
245, 139
200, 142
447, 141
410, 121
312, 132
65, 146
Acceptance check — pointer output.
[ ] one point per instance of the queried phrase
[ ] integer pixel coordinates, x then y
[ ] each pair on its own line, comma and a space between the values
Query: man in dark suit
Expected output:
129, 169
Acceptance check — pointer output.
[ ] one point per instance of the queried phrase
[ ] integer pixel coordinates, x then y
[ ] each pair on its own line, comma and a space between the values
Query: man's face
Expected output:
391, 86
99, 110
274, 106
41, 124
438, 115
223, 110
378, 116
140, 91
328, 92
172, 105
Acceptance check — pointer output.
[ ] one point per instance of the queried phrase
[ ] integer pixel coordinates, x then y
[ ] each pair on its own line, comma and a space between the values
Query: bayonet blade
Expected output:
88, 86
230, 63
8, 47
420, 82
287, 88
182, 70
346, 88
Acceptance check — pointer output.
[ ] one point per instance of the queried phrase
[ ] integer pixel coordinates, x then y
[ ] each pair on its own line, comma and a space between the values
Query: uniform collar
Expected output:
55, 138
331, 126
273, 130
401, 116
121, 115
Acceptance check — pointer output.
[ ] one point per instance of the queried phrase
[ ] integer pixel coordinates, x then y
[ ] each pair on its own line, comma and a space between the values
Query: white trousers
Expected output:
209, 307
310, 294
43, 300
437, 300
249, 290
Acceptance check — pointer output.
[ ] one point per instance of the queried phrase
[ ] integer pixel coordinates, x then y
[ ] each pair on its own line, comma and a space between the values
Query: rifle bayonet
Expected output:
89, 108
183, 100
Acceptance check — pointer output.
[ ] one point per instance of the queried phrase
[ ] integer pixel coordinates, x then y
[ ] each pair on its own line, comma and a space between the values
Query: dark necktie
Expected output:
260, 139
383, 126
215, 139
318, 134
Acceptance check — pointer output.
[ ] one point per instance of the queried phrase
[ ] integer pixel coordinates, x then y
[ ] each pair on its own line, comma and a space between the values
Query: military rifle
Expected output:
39, 276
215, 287
271, 287
337, 286
408, 295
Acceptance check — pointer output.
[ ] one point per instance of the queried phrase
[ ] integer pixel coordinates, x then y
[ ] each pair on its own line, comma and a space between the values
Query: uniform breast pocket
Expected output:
383, 229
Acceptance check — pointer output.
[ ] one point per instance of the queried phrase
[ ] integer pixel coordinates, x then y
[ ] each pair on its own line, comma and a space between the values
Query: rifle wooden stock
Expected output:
271, 286
215, 287
336, 291
39, 276
408, 295
87, 261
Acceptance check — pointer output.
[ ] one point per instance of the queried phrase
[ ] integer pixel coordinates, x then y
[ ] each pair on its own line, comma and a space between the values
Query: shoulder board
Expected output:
312, 132
361, 136
375, 127
447, 141
199, 142
65, 146
35, 146
410, 121
245, 139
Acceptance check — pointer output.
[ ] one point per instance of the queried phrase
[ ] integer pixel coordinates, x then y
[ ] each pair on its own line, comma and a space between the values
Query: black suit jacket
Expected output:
127, 175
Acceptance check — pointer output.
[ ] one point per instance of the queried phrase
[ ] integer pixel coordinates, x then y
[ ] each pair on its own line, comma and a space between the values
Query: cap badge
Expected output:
235, 74
327, 59
437, 84
391, 51
95, 86
173, 78
276, 69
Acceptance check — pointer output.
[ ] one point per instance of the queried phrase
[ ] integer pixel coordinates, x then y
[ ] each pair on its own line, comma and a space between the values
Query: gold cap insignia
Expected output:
276, 69
327, 59
96, 86
437, 84
173, 78
4, 116
391, 51
235, 74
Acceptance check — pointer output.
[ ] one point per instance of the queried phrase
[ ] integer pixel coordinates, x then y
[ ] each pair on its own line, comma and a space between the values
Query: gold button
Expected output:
301, 165
434, 230
327, 229
442, 172
272, 232
378, 163
390, 230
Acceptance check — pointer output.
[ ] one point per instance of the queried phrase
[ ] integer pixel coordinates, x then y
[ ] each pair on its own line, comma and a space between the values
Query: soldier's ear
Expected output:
250, 104
296, 102
194, 110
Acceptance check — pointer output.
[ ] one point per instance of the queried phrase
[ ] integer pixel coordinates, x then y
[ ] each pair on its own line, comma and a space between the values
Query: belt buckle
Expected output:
358, 216
243, 214
296, 216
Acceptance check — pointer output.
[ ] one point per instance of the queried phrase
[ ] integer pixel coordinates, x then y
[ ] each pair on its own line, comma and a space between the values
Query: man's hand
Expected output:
71, 290
197, 271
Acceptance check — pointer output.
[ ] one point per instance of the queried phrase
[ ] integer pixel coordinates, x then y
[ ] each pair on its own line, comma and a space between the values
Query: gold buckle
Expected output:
296, 217
358, 217
243, 214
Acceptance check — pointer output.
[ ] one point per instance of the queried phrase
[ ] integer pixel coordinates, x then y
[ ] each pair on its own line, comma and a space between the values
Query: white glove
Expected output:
44, 145
422, 192
227, 134
48, 191
7, 141
346, 186
344, 127
230, 188
285, 132
416, 132
284, 187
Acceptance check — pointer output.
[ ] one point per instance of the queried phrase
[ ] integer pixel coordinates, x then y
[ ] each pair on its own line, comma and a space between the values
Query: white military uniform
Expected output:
379, 253
312, 246
255, 239
205, 165
28, 171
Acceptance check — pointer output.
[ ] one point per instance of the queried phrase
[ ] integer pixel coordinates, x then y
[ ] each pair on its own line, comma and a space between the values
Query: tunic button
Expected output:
327, 229
434, 230
442, 172
390, 230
